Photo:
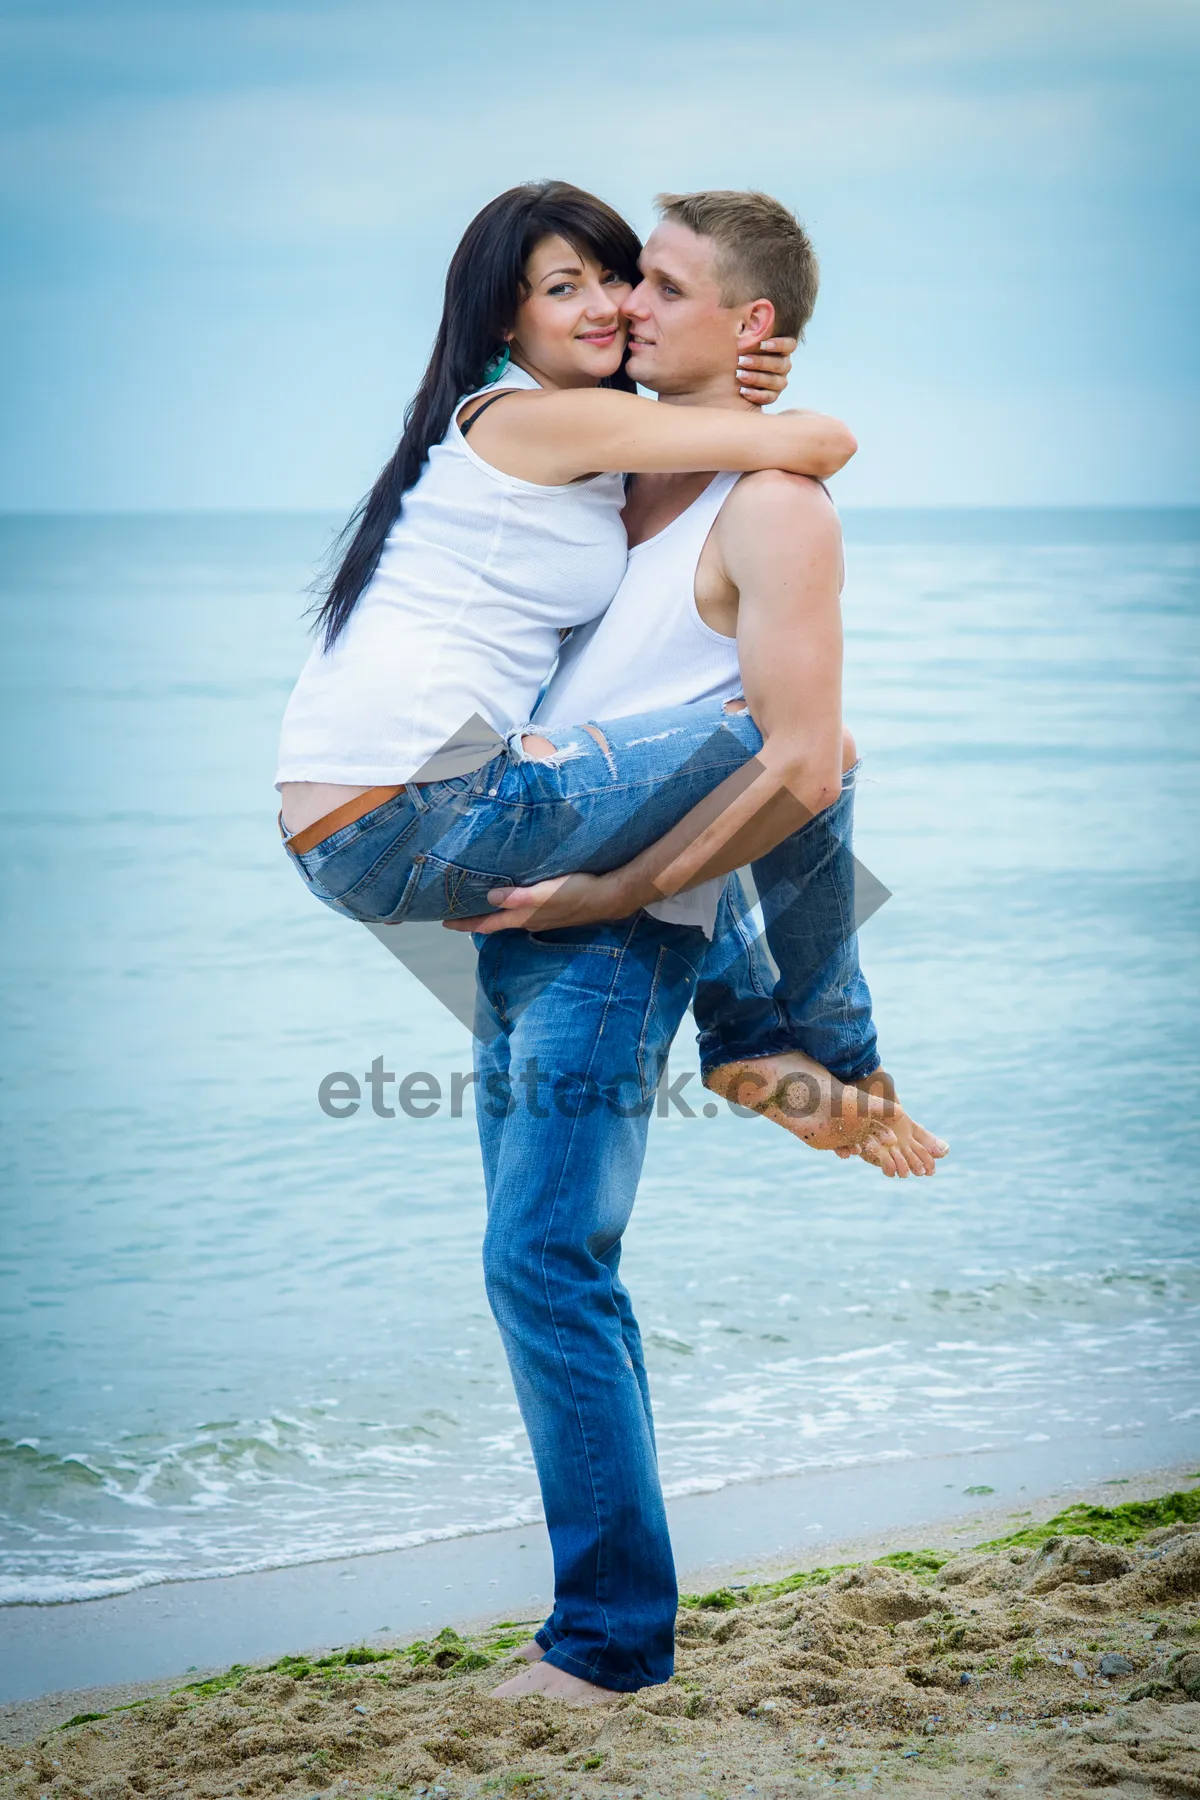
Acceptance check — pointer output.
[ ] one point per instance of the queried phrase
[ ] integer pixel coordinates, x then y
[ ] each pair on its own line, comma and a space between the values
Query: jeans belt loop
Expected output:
419, 802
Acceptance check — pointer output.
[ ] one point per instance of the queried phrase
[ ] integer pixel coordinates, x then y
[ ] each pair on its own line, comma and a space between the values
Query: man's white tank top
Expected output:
652, 649
479, 574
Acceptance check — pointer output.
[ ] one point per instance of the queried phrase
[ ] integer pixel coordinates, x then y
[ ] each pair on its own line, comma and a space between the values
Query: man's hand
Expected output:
763, 375
550, 905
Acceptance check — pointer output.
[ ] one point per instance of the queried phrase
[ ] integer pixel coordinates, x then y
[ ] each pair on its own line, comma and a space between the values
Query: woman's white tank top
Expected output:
478, 576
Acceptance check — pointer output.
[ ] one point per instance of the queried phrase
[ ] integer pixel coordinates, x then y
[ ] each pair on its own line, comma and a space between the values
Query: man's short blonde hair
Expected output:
763, 251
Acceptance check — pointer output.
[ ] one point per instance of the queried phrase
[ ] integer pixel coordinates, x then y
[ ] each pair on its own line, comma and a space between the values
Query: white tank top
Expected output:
477, 577
652, 649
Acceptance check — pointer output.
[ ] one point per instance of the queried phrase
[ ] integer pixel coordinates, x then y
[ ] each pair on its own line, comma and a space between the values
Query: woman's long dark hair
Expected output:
484, 287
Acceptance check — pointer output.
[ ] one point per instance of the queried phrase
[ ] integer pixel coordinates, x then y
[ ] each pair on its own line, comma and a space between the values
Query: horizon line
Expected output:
945, 506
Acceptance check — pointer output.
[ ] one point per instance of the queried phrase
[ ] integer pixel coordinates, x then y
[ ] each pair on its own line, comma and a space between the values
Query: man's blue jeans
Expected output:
435, 850
574, 1031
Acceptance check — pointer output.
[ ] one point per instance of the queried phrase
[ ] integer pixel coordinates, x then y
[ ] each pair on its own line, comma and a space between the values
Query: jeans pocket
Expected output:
371, 894
446, 890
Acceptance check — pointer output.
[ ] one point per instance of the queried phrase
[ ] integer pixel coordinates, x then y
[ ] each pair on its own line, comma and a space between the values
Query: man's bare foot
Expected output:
545, 1678
530, 1652
861, 1118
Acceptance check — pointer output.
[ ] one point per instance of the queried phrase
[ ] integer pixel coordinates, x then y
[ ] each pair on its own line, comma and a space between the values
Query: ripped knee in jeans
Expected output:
531, 746
540, 749
527, 745
537, 749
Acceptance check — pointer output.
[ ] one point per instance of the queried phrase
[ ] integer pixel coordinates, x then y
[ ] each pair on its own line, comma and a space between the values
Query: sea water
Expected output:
241, 1333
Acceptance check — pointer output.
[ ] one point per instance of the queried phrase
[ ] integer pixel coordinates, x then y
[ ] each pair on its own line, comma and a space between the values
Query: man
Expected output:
723, 572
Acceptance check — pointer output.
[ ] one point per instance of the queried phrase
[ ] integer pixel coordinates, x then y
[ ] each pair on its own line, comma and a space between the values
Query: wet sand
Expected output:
1058, 1663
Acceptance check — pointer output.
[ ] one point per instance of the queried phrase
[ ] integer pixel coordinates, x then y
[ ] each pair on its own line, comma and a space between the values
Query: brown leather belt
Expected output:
316, 833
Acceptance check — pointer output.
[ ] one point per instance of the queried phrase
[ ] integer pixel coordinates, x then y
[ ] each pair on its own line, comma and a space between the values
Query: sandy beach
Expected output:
1059, 1657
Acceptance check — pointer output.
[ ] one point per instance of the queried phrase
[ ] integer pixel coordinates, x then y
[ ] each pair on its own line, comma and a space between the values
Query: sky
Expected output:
225, 226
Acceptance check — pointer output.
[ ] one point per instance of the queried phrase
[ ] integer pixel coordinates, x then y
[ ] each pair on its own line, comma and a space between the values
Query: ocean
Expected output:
238, 1333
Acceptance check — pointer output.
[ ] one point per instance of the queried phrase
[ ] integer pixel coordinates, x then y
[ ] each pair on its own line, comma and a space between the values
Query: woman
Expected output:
399, 798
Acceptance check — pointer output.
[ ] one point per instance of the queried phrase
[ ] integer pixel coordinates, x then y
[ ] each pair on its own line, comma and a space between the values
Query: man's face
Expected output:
680, 335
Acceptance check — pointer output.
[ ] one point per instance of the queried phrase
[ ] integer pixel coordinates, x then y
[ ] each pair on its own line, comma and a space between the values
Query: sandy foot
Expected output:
861, 1118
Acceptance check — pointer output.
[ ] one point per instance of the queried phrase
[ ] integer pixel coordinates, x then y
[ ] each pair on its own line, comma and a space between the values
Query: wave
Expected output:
317, 1485
49, 1590
38, 1590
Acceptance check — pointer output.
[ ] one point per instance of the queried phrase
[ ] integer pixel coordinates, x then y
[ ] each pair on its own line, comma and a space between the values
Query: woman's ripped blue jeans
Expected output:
434, 851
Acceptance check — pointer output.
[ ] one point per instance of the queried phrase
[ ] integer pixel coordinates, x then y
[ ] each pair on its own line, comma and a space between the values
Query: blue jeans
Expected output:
576, 1030
573, 1031
435, 850
816, 997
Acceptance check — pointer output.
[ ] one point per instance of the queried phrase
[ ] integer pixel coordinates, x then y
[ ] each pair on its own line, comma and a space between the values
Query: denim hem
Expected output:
617, 1684
542, 1636
868, 1068
718, 1059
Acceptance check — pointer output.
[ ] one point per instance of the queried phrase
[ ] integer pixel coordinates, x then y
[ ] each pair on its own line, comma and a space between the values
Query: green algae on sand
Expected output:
1123, 1524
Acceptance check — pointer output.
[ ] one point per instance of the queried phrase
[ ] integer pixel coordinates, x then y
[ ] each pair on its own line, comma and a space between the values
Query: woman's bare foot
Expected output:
911, 1150
861, 1118
545, 1678
530, 1652
802, 1096
907, 1148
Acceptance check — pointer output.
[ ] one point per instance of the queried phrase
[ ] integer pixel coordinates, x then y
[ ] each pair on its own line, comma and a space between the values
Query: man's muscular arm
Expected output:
779, 542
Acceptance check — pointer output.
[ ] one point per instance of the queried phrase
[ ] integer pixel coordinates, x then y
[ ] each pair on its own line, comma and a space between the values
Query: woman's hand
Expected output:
763, 374
550, 905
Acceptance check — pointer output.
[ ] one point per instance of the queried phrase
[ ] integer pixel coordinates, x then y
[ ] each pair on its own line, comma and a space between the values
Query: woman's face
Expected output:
569, 328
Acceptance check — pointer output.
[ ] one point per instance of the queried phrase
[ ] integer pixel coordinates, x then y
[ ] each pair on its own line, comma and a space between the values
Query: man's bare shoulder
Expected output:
770, 492
781, 506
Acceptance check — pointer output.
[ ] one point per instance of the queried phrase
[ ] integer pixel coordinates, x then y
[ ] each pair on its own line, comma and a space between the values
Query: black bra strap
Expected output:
480, 410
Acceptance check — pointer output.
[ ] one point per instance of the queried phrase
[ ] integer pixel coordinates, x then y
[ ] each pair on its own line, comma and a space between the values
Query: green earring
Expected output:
496, 366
